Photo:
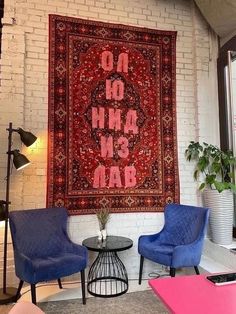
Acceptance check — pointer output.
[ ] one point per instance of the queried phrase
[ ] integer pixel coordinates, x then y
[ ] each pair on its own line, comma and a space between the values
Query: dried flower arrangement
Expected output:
103, 216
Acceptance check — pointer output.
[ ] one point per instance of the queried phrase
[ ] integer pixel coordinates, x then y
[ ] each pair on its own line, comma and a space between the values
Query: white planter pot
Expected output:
221, 215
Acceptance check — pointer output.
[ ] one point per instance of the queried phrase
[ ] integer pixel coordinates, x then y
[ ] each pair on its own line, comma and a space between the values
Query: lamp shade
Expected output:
26, 137
19, 160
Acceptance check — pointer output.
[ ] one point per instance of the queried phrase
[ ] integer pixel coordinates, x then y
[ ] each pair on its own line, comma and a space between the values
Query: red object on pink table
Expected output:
195, 295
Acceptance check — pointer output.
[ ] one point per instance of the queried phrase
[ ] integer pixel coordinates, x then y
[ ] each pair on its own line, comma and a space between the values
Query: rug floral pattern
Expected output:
112, 117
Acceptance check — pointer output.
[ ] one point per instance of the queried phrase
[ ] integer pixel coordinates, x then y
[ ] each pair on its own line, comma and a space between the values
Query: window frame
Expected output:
1, 25
222, 62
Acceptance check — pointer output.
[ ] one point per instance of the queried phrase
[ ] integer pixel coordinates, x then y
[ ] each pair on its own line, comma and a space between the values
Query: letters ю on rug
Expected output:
112, 117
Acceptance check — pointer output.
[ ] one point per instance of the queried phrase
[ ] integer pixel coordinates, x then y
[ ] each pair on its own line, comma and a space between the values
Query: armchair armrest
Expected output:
72, 247
187, 255
24, 266
151, 237
147, 239
77, 249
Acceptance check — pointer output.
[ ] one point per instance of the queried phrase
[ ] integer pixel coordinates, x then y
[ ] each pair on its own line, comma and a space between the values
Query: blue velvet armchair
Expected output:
180, 242
42, 248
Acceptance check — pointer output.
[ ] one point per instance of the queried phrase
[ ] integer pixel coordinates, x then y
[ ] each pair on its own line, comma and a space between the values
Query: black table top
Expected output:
111, 244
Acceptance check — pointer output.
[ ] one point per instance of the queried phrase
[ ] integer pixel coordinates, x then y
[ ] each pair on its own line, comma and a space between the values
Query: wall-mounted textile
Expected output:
112, 117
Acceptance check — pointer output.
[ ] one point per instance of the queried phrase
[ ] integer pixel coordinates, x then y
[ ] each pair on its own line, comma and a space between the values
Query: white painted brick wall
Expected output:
24, 99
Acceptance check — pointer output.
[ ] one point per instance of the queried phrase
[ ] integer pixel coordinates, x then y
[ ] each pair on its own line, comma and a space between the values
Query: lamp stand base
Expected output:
9, 296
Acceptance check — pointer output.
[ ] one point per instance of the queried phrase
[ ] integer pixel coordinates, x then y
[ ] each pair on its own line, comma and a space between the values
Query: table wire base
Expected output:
107, 276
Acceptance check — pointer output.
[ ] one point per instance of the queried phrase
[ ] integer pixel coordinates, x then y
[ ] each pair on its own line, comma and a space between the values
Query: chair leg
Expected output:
172, 271
59, 283
197, 270
33, 293
83, 286
19, 289
140, 269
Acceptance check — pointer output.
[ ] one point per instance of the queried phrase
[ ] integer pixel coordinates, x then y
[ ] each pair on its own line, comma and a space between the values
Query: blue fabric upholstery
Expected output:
42, 248
180, 242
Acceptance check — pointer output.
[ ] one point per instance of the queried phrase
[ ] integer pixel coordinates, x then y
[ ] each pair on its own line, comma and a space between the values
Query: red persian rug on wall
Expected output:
112, 117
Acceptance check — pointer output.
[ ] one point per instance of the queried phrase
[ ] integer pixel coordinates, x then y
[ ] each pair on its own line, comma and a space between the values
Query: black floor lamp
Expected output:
8, 294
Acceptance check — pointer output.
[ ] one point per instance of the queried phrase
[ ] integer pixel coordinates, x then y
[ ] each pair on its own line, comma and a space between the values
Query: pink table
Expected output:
195, 295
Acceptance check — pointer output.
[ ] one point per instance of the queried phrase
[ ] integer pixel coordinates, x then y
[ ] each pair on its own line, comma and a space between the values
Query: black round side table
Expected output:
107, 275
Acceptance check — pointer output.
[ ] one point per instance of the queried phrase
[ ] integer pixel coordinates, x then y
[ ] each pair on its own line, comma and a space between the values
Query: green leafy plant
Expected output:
103, 216
215, 165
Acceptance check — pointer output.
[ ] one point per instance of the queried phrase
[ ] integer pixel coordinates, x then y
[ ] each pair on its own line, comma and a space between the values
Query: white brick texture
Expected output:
24, 100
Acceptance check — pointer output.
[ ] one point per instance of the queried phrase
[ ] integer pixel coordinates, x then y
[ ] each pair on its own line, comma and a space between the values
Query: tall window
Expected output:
1, 16
227, 97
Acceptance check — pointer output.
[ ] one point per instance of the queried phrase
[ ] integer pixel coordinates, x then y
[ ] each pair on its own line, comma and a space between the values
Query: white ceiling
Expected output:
220, 14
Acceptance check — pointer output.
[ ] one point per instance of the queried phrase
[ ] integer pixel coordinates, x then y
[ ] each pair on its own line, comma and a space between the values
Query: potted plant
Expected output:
215, 168
103, 216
